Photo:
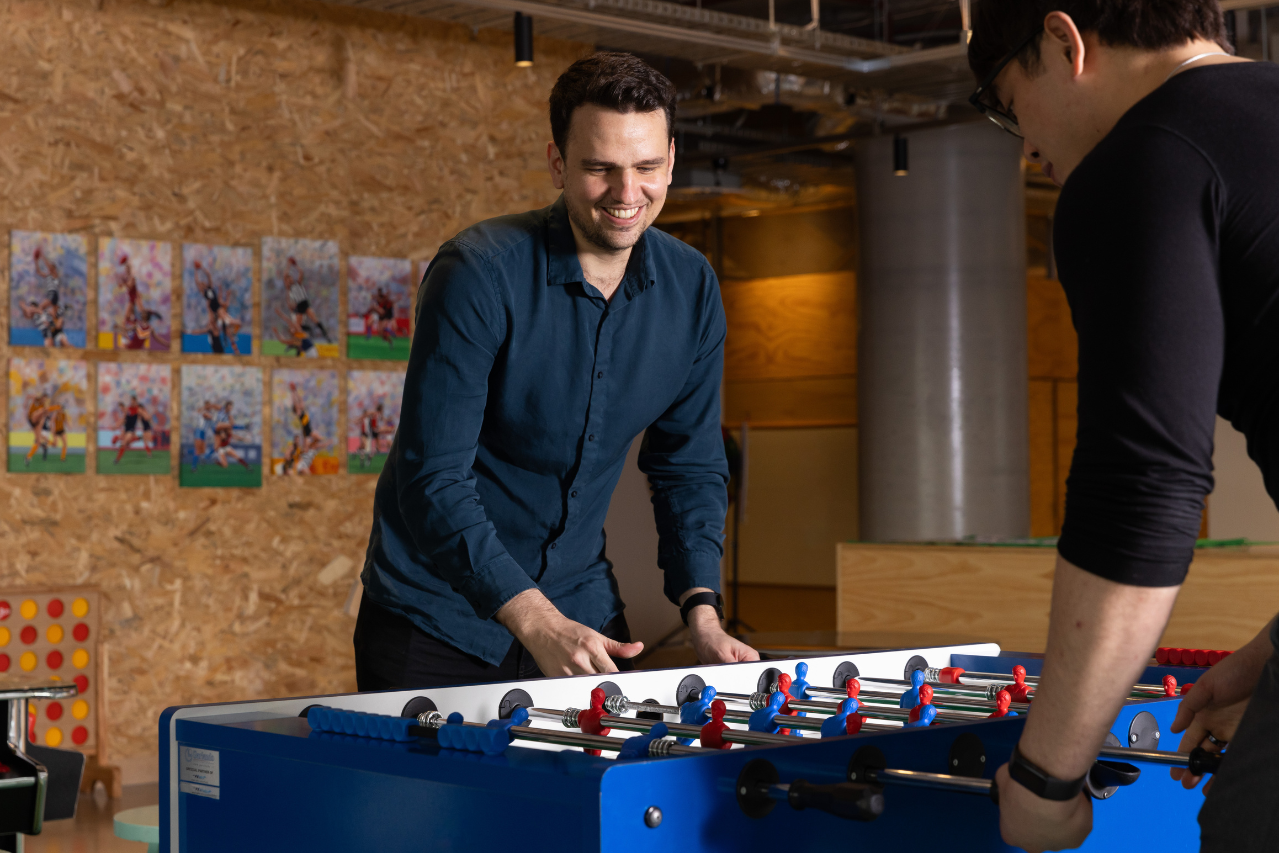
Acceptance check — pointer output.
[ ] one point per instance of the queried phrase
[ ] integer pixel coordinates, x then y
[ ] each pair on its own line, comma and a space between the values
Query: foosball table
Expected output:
877, 750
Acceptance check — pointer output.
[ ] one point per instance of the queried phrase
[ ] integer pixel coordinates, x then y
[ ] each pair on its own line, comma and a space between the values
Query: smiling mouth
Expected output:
623, 213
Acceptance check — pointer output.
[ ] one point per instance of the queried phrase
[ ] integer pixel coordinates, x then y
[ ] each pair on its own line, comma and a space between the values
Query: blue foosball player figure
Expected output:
766, 719
697, 712
838, 725
911, 698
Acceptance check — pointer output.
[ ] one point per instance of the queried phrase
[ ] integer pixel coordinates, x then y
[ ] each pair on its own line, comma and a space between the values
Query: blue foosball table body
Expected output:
254, 776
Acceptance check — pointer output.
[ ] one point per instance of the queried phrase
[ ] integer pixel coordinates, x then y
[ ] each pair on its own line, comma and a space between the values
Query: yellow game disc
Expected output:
54, 633
5, 637
80, 709
29, 609
80, 659
27, 661
79, 608
53, 736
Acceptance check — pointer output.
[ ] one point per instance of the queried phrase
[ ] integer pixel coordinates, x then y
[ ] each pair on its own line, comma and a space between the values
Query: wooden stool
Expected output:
140, 824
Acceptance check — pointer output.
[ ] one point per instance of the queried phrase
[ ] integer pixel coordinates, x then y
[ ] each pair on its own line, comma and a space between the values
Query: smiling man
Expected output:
545, 343
1165, 147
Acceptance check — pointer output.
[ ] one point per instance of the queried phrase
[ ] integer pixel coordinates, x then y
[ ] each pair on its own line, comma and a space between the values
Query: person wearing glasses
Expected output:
1165, 146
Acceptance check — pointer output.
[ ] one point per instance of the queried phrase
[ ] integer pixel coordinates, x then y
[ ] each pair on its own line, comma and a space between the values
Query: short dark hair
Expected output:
615, 81
999, 25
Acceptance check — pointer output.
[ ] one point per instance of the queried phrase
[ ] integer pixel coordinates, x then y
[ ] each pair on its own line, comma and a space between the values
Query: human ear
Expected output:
555, 165
1063, 40
671, 161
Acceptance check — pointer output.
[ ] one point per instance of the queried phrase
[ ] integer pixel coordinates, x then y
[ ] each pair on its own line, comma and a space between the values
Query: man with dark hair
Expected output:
1165, 146
545, 343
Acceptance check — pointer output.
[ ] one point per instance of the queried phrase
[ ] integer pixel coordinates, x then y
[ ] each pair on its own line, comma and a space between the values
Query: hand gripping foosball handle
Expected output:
848, 800
1202, 762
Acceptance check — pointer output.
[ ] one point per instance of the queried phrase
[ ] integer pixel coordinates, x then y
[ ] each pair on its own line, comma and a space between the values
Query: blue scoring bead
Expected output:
360, 724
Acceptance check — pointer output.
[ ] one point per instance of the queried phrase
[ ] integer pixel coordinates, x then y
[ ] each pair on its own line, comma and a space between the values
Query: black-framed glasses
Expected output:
982, 99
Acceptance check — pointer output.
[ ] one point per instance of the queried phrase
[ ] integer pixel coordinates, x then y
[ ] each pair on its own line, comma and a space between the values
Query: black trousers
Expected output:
394, 654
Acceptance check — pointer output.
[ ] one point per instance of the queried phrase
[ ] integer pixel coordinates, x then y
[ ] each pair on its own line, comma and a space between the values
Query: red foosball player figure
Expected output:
922, 715
1170, 685
784, 687
853, 722
589, 720
1020, 691
1002, 706
712, 732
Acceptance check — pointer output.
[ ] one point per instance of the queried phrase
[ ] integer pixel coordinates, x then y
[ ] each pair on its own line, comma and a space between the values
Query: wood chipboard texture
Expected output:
1002, 594
224, 123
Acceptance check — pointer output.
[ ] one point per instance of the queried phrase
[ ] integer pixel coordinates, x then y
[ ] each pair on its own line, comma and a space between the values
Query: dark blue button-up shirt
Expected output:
524, 391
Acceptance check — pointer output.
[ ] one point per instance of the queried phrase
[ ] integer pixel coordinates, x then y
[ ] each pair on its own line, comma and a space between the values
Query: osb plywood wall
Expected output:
222, 123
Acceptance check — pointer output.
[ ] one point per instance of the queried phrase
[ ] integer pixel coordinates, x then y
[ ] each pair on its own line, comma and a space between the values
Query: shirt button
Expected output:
573, 494
600, 375
591, 438
552, 546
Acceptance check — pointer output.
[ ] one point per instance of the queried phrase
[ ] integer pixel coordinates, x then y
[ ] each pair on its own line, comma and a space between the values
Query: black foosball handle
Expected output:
848, 800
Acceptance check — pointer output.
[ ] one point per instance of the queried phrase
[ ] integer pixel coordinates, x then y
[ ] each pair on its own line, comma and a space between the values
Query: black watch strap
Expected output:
1041, 783
712, 598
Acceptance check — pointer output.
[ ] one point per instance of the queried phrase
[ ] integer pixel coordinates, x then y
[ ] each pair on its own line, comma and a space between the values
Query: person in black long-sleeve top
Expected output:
1165, 147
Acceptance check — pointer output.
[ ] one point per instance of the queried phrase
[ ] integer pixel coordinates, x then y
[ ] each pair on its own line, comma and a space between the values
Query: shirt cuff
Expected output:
686, 570
494, 584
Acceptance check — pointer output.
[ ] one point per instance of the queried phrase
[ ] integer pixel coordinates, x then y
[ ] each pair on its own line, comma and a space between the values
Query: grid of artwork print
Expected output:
153, 296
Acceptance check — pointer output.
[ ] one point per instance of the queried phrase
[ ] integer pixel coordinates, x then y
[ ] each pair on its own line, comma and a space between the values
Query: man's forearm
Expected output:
1101, 635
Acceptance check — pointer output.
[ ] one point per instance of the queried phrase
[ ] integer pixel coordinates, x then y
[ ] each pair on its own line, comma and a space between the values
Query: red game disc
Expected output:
82, 682
80, 632
79, 735
54, 659
4, 663
54, 710
55, 607
29, 634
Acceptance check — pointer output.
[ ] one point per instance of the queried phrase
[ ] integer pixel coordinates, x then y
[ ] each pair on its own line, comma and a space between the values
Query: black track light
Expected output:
524, 40
899, 155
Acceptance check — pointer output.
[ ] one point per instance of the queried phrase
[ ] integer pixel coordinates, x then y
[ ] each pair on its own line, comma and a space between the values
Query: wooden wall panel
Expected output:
821, 401
1042, 431
1002, 594
793, 326
1064, 441
1051, 338
213, 122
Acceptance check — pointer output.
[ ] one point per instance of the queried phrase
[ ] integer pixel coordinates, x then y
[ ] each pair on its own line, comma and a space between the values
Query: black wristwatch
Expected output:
712, 598
1041, 783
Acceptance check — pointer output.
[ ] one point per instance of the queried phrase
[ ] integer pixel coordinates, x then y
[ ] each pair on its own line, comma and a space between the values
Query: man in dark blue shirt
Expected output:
545, 343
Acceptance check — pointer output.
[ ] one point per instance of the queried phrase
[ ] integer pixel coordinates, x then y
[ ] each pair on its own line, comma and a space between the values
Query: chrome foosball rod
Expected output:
571, 718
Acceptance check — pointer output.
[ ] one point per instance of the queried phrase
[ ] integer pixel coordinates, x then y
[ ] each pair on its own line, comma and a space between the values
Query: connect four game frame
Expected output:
54, 633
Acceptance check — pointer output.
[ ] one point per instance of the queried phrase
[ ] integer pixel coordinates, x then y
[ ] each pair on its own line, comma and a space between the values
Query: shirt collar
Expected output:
563, 266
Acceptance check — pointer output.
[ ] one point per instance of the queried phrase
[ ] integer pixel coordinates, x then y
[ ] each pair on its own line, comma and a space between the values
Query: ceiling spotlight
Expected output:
524, 40
899, 155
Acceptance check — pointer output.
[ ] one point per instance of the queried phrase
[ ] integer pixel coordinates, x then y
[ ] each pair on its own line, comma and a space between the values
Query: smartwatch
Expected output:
711, 598
1041, 783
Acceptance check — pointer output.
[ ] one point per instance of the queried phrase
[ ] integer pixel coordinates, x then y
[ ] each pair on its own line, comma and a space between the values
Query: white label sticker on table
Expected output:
209, 791
198, 765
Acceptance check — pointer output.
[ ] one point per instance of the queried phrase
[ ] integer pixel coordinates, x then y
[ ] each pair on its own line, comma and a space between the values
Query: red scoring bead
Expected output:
29, 634
1162, 655
950, 674
82, 683
1201, 657
54, 710
54, 659
79, 735
54, 607
80, 632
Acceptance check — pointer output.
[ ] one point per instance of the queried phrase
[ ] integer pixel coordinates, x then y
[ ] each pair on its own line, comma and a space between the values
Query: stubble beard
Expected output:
598, 235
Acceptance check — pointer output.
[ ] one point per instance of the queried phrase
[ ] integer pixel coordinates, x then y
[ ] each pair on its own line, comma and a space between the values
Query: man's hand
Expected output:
1216, 703
710, 642
559, 645
1036, 824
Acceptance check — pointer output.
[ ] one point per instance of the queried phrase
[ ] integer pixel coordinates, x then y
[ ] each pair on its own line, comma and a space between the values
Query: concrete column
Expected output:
942, 346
